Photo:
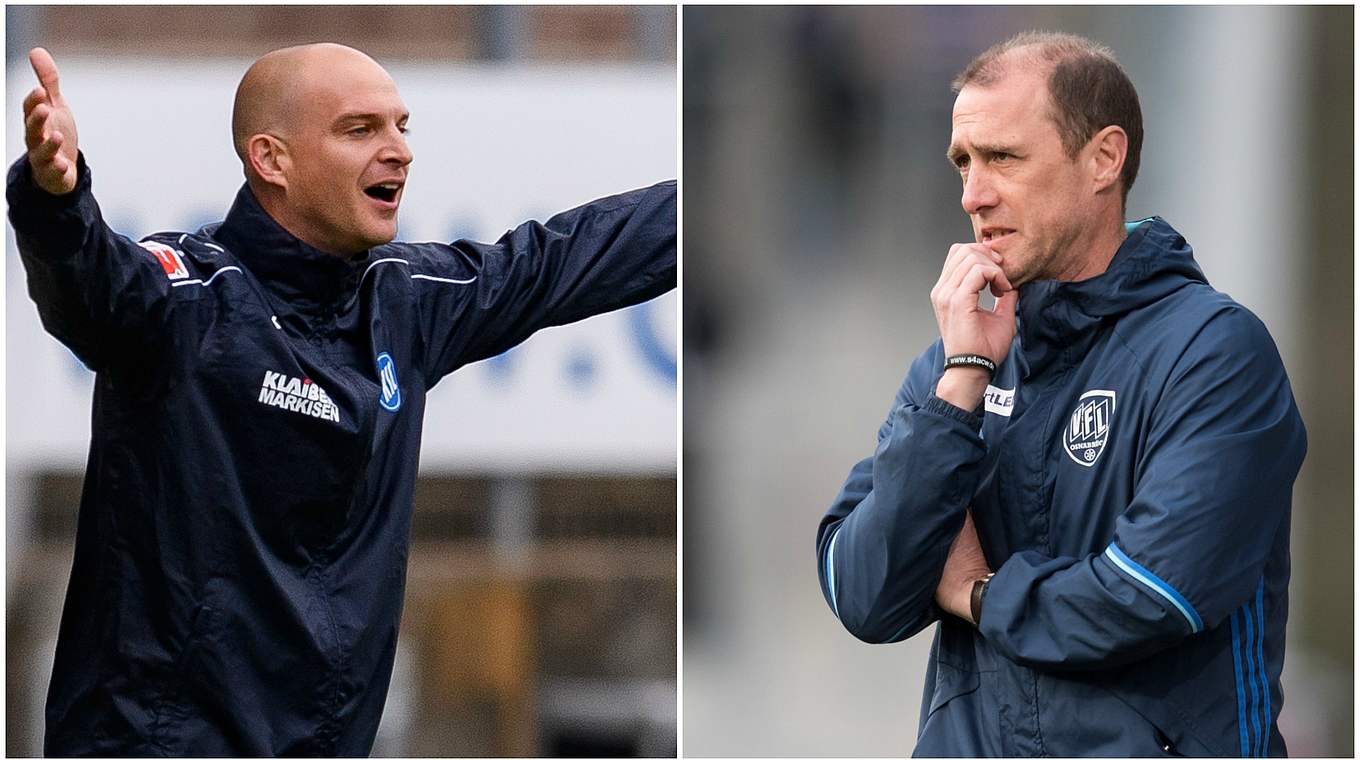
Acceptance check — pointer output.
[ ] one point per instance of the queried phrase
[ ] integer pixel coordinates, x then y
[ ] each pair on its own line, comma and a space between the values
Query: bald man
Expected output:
243, 532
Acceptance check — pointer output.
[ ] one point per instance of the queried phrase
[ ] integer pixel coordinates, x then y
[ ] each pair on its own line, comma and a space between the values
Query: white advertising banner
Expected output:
494, 145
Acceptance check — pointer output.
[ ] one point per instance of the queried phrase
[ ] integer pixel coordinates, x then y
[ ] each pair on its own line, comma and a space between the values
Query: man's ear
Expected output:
269, 159
1108, 147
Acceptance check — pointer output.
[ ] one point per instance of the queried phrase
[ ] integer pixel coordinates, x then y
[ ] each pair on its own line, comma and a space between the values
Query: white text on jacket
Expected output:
297, 395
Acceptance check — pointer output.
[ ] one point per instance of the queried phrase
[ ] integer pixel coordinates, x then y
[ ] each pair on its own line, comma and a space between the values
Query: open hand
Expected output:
49, 128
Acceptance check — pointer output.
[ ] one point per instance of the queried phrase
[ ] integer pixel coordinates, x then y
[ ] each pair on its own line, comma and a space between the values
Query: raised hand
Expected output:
49, 128
966, 327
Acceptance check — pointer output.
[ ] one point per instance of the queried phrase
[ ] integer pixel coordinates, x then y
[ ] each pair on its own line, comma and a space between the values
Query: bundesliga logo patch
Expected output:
1088, 429
168, 258
299, 395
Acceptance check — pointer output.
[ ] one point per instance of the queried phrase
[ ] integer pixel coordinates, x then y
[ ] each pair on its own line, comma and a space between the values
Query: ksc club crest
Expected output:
387, 376
1088, 429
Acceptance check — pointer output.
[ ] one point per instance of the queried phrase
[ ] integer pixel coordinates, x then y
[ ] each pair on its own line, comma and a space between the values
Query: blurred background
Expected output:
540, 614
818, 209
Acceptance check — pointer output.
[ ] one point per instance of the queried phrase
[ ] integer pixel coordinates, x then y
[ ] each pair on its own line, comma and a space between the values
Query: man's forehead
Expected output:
1017, 92
336, 99
1015, 105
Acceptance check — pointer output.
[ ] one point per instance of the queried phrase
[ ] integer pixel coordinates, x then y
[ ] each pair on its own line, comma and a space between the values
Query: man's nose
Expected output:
978, 191
396, 150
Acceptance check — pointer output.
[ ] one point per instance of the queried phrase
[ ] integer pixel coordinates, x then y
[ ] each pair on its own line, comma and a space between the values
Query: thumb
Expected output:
1005, 305
46, 70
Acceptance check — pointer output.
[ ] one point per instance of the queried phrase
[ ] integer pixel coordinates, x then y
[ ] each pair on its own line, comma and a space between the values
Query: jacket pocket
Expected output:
175, 698
950, 683
1168, 746
1167, 734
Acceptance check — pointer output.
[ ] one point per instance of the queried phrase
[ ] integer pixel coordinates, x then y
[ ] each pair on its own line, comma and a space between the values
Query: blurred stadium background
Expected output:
541, 606
818, 208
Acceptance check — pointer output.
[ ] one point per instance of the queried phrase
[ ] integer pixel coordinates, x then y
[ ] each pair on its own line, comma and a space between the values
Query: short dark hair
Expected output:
1087, 86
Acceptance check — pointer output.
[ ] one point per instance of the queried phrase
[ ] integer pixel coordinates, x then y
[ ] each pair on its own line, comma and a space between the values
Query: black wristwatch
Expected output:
975, 600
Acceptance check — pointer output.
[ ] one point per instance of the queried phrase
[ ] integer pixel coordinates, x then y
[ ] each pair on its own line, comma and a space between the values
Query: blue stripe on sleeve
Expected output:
901, 634
831, 569
1241, 696
1261, 664
1255, 711
1147, 578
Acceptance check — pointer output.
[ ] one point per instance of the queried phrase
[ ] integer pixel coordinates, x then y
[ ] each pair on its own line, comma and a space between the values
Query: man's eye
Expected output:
1002, 157
358, 131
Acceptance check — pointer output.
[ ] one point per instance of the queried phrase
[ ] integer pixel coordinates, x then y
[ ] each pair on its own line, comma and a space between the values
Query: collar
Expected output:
1057, 318
297, 273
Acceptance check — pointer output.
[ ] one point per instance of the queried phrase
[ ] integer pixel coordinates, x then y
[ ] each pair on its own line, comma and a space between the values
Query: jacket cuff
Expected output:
29, 203
943, 408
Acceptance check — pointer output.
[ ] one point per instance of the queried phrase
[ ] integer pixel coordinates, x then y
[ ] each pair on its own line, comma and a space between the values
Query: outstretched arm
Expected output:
605, 255
96, 291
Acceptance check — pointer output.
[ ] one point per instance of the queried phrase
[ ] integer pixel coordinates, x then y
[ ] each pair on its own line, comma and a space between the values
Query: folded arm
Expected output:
1212, 494
882, 546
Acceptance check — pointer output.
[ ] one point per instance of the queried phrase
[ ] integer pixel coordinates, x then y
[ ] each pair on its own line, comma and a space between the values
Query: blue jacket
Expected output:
242, 537
1129, 474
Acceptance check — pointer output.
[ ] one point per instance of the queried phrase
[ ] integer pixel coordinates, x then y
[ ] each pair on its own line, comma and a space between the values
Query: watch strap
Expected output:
975, 599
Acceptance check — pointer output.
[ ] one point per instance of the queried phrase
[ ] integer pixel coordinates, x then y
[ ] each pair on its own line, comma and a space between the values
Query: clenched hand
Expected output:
966, 327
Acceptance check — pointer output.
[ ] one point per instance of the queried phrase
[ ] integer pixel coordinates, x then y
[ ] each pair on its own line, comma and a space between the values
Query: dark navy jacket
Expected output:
242, 536
1130, 474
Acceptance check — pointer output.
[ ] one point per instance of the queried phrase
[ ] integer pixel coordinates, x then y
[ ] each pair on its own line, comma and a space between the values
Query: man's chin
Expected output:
379, 235
1016, 277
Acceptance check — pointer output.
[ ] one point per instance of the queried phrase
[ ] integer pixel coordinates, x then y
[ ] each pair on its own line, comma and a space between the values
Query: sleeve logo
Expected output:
999, 400
1088, 429
169, 259
387, 375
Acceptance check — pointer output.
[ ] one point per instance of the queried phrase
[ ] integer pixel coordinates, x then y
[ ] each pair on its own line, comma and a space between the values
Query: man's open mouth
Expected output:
384, 191
994, 234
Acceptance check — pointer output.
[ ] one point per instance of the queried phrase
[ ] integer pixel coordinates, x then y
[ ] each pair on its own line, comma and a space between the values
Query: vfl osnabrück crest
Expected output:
1089, 427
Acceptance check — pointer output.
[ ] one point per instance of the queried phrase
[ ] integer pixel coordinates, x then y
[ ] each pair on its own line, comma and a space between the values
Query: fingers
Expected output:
962, 257
47, 150
966, 276
35, 96
977, 277
43, 147
958, 253
35, 124
46, 70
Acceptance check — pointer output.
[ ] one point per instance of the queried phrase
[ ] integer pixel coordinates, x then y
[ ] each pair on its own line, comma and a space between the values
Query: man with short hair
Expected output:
1115, 439
243, 532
